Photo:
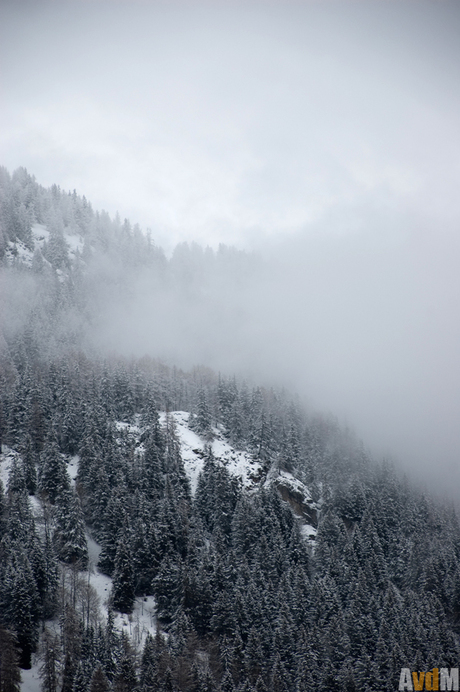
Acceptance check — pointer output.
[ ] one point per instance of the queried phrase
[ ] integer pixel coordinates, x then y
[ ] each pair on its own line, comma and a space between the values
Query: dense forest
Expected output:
256, 586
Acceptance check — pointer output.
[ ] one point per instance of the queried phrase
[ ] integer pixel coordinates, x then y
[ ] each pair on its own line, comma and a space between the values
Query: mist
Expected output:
321, 138
361, 325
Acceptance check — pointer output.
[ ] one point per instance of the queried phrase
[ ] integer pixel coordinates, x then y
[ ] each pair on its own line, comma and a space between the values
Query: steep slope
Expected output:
259, 544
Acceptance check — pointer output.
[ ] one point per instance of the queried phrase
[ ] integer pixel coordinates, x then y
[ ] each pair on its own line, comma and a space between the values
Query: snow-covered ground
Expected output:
6, 458
72, 469
140, 622
308, 531
74, 241
18, 250
239, 464
40, 236
30, 679
128, 428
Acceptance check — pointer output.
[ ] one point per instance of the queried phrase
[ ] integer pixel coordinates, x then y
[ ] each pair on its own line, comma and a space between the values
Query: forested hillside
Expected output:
74, 276
277, 554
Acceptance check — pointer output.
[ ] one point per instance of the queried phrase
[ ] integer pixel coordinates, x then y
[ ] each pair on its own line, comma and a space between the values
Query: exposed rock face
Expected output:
298, 496
299, 504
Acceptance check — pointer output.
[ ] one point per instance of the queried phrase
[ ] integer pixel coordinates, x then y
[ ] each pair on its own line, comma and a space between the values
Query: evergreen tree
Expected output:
114, 518
111, 647
201, 422
148, 662
71, 635
23, 608
123, 578
10, 675
49, 670
82, 679
227, 684
16, 477
53, 477
29, 457
99, 682
125, 677
69, 535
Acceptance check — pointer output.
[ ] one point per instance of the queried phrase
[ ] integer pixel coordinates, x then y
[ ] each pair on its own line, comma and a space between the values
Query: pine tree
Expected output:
10, 675
49, 670
3, 518
168, 585
201, 422
123, 578
148, 662
82, 677
51, 578
236, 425
71, 635
227, 684
53, 477
125, 677
144, 561
168, 685
111, 647
24, 609
114, 519
29, 457
99, 682
69, 535
16, 477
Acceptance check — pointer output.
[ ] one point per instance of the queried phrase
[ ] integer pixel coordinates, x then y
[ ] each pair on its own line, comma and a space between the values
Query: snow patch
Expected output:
191, 446
16, 250
140, 622
6, 458
30, 679
308, 531
36, 508
238, 463
40, 234
72, 469
75, 243
128, 428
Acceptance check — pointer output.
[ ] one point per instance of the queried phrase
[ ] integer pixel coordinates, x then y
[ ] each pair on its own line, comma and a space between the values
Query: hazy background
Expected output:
325, 136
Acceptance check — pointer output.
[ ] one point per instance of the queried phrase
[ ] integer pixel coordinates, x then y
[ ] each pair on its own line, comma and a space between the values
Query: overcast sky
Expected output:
325, 134
230, 121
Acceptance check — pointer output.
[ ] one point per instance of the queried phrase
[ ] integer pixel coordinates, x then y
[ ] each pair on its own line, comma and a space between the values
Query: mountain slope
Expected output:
272, 552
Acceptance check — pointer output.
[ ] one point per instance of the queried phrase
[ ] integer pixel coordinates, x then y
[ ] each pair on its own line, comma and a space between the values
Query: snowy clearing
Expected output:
239, 464
6, 458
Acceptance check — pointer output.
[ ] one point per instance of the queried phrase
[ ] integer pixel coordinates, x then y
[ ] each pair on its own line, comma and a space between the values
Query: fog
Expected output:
362, 325
322, 137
